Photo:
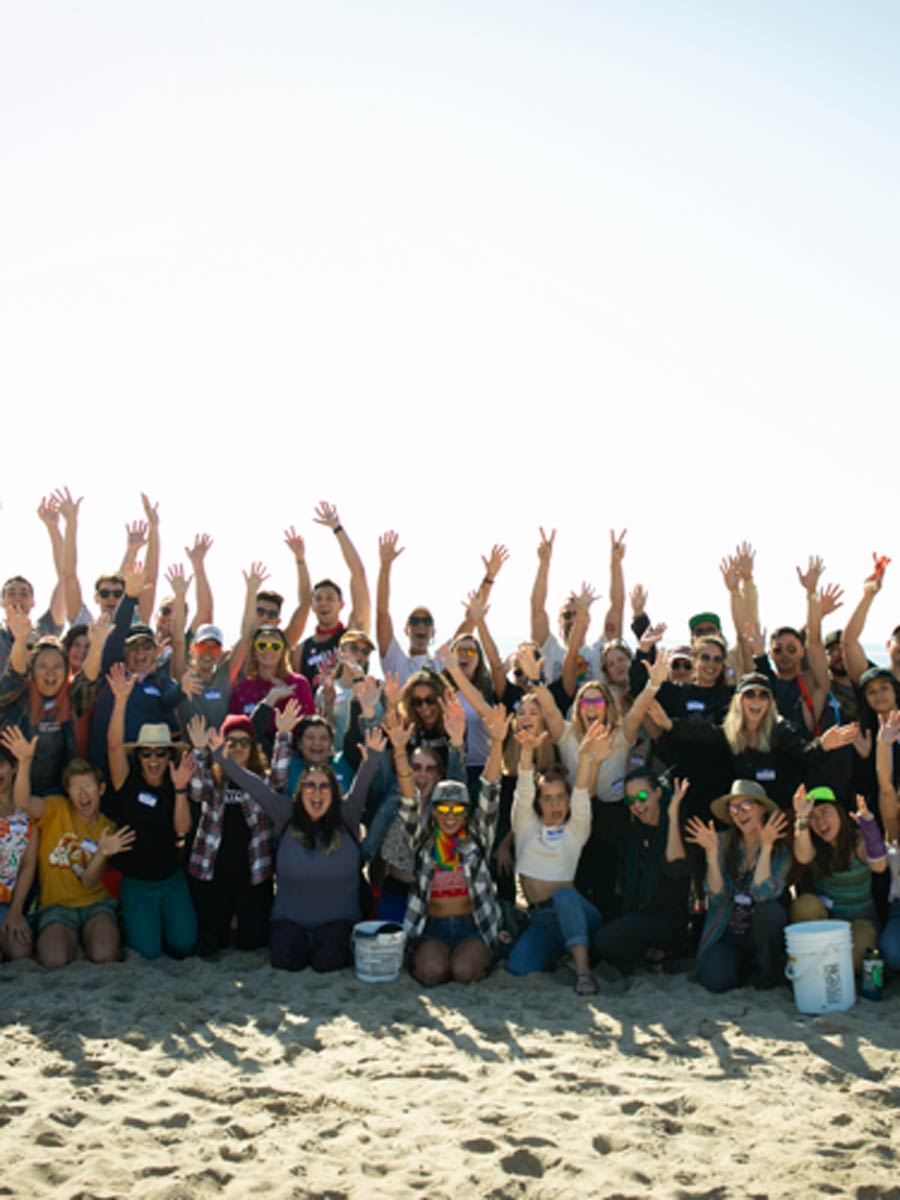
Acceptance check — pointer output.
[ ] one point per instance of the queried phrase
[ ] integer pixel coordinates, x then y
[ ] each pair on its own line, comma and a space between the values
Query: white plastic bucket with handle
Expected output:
377, 951
820, 965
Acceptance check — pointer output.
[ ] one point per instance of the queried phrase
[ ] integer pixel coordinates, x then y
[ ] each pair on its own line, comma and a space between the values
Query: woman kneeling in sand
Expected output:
452, 922
550, 830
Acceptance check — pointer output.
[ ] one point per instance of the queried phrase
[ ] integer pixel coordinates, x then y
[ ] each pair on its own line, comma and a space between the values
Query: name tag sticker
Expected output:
147, 798
212, 695
694, 706
743, 899
552, 837
150, 690
248, 709
89, 846
765, 774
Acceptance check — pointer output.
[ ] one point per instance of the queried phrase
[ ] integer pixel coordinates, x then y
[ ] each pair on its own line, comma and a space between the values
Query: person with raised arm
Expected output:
653, 923
37, 695
419, 625
72, 844
588, 658
551, 825
453, 920
746, 873
269, 682
149, 795
317, 863
841, 858
17, 597
231, 863
16, 832
318, 652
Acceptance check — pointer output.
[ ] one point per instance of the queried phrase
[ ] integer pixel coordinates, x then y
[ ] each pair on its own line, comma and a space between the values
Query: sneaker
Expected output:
586, 985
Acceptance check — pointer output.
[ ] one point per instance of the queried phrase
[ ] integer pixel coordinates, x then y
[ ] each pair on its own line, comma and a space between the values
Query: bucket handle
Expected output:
793, 974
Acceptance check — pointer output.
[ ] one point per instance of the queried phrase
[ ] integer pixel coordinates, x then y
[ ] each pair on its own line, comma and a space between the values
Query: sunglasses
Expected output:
234, 741
567, 615
778, 648
450, 810
756, 694
212, 648
261, 645
166, 611
105, 593
272, 613
683, 664
145, 644
322, 788
741, 806
147, 752
637, 798
420, 621
713, 658
421, 701
466, 652
592, 702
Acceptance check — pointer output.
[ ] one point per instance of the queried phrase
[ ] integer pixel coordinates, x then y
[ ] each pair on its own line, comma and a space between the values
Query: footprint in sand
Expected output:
523, 1162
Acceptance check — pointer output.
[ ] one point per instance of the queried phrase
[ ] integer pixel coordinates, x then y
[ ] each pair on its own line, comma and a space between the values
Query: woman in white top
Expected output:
603, 855
550, 829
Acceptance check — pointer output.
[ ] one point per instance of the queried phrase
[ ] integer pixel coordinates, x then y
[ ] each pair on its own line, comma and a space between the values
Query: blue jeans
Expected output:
889, 942
569, 921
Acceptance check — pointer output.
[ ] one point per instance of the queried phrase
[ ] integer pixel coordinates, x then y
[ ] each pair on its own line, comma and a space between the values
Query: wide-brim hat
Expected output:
742, 789
155, 737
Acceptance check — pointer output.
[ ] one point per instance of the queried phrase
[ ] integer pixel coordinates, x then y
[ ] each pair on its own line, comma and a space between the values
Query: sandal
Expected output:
586, 985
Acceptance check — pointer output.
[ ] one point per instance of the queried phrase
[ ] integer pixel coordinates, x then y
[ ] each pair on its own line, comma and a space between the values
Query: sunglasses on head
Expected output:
681, 664
150, 752
448, 810
637, 798
421, 621
105, 593
261, 645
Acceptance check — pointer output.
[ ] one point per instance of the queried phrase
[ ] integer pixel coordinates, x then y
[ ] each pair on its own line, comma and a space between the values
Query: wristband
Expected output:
872, 839
337, 529
487, 579
404, 774
181, 791
801, 823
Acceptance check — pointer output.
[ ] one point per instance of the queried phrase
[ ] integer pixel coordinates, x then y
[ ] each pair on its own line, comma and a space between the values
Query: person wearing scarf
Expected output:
653, 923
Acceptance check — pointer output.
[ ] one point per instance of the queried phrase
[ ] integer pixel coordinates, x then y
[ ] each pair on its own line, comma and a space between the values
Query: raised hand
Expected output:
397, 731
809, 578
774, 828
862, 810
802, 804
393, 689
532, 666
68, 506
198, 734
201, 547
13, 739
731, 575
545, 546
703, 835
745, 556
191, 683
176, 580
830, 599
288, 718
100, 630
256, 576
755, 639
599, 741
135, 580
494, 561
530, 739
295, 543
279, 690
374, 741
326, 514
367, 692
638, 598
839, 735
617, 545
658, 671
151, 511
586, 597
181, 774
476, 609
862, 743
679, 791
216, 740
387, 547
652, 635
121, 684
48, 511
19, 623
136, 533
889, 727
497, 723
119, 841
454, 718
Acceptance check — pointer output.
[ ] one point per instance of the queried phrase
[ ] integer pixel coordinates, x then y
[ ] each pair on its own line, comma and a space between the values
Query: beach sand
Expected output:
171, 1080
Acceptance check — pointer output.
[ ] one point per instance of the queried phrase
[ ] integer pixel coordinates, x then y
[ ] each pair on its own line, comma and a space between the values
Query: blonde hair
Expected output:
737, 735
614, 717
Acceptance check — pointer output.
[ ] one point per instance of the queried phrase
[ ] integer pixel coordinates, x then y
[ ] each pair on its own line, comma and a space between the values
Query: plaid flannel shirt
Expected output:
480, 827
208, 838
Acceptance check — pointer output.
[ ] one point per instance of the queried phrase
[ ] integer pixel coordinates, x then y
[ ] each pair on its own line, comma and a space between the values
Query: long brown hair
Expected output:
62, 709
283, 669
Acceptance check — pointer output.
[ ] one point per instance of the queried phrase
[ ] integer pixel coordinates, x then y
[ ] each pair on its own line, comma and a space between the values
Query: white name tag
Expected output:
765, 775
150, 690
552, 837
743, 899
248, 709
212, 695
694, 706
88, 846
147, 798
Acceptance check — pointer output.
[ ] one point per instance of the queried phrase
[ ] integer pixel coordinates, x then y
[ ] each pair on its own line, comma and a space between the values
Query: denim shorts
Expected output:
451, 930
75, 918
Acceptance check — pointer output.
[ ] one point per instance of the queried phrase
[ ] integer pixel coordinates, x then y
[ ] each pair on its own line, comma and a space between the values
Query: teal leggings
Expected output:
158, 912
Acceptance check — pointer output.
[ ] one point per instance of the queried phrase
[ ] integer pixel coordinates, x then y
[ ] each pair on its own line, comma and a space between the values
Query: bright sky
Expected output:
465, 270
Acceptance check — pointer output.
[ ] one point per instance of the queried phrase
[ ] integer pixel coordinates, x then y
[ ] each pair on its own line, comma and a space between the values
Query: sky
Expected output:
464, 270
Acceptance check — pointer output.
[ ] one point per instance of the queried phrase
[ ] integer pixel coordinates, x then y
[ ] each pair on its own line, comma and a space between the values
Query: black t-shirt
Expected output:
513, 693
316, 654
232, 862
149, 811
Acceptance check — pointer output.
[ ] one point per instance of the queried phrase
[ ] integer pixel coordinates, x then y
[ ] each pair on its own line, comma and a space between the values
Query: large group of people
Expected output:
600, 802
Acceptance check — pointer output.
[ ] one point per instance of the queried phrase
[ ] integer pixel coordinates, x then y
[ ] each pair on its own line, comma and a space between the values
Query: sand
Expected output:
170, 1080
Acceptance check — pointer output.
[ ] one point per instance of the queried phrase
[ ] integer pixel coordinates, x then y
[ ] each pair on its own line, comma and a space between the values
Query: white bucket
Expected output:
377, 951
820, 965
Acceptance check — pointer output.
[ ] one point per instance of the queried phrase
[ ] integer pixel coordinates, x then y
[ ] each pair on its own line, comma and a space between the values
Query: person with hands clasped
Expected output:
550, 826
149, 794
453, 920
317, 860
70, 850
746, 873
841, 859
